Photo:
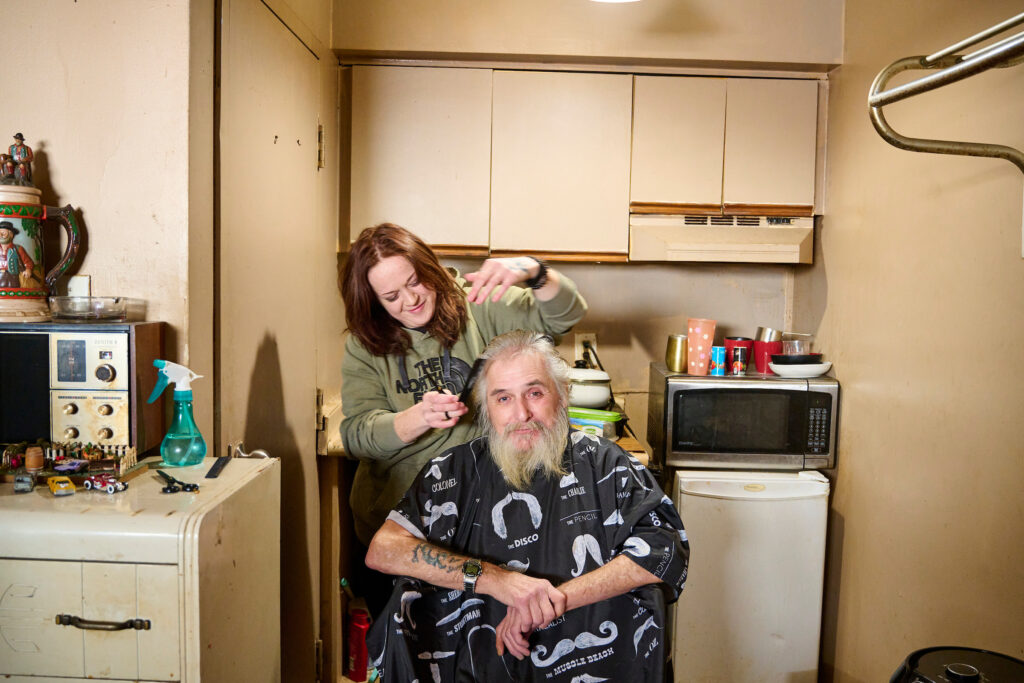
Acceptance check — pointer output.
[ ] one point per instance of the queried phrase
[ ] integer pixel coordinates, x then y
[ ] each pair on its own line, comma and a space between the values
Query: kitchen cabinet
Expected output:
770, 147
738, 146
678, 143
421, 152
560, 162
199, 572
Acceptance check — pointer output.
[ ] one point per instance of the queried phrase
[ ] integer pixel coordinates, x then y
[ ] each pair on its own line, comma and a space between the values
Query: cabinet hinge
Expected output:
321, 159
321, 424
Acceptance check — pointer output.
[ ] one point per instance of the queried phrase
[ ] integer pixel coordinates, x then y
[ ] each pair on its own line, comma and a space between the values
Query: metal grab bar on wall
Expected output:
1004, 53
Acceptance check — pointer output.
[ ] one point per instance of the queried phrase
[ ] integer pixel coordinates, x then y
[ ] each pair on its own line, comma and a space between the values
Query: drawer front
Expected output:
34, 592
31, 594
116, 592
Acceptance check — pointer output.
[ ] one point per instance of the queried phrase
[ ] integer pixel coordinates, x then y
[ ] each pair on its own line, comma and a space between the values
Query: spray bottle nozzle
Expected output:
172, 372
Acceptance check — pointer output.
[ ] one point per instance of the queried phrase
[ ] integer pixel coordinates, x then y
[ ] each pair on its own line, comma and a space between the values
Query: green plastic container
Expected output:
604, 423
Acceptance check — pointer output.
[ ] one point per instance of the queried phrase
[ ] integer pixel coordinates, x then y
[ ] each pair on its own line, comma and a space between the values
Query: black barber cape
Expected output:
607, 504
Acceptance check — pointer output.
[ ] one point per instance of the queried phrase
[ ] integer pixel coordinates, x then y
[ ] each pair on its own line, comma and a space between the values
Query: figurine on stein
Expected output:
23, 286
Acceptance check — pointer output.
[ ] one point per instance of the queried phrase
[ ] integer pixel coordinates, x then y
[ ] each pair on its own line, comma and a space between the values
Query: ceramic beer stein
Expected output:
24, 287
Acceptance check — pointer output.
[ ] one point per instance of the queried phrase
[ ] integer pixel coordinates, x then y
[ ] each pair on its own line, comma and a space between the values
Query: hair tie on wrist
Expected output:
541, 278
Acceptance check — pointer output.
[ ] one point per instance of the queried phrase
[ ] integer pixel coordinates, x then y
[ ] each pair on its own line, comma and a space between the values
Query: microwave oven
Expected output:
81, 382
742, 422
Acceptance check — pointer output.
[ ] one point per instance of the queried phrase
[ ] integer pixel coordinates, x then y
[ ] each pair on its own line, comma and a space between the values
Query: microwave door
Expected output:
738, 428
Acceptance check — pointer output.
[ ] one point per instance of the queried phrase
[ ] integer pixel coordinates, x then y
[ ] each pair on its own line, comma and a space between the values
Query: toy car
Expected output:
71, 465
60, 486
104, 482
24, 483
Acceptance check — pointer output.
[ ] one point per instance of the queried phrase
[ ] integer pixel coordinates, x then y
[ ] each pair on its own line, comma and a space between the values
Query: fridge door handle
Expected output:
91, 625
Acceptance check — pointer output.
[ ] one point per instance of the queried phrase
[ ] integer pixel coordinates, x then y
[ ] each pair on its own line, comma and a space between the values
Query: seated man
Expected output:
549, 545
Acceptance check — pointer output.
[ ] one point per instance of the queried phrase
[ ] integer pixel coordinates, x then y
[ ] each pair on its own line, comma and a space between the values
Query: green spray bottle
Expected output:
183, 445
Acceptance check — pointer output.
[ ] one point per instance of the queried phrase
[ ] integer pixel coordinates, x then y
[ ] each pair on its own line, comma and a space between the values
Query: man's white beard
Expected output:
519, 465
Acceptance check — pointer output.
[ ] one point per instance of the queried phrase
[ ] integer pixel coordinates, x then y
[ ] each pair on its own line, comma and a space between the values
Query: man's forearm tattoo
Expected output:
441, 559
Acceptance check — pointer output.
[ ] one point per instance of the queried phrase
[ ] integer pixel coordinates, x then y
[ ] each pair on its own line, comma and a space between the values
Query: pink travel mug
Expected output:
700, 337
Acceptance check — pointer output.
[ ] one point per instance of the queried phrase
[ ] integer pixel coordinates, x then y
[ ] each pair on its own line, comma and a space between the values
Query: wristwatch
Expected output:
541, 278
471, 571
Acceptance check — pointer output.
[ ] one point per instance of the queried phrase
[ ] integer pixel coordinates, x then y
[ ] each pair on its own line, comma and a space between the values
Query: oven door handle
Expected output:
92, 625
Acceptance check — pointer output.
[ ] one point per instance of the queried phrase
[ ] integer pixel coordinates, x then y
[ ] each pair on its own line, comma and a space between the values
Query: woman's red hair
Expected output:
374, 327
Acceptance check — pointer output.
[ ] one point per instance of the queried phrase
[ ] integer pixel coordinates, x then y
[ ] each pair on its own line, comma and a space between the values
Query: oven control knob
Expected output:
105, 409
69, 409
106, 373
70, 433
106, 433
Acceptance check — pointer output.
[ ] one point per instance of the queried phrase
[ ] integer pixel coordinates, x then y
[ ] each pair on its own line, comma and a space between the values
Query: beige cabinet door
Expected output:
770, 144
270, 296
421, 151
560, 162
678, 144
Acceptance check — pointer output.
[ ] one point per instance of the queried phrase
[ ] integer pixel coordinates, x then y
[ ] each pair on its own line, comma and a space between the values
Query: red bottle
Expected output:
358, 625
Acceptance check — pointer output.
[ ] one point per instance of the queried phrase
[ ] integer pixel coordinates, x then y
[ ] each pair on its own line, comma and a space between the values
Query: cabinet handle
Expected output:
78, 622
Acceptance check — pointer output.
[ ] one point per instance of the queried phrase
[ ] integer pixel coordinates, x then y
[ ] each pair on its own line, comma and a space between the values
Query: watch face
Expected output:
471, 568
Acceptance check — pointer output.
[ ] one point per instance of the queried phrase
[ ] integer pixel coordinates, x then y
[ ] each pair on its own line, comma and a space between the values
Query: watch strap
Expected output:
471, 571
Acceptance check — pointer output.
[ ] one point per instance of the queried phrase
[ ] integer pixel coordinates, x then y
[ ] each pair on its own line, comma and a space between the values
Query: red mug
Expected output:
733, 342
763, 351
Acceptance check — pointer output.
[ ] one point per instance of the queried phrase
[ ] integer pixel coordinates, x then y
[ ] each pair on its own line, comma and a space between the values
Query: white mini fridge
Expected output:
751, 609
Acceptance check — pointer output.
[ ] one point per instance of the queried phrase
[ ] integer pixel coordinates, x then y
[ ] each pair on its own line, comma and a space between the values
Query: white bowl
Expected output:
801, 371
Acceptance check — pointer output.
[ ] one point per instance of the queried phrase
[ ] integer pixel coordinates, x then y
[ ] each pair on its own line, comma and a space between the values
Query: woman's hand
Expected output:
496, 275
435, 411
441, 411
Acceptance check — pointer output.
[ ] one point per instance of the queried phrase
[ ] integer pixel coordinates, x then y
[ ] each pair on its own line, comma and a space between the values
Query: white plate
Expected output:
809, 370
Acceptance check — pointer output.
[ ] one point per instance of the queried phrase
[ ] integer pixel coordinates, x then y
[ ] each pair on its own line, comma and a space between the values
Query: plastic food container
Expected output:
85, 308
604, 423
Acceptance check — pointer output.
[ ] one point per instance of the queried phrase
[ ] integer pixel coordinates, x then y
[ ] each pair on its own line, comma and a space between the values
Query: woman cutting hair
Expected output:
415, 330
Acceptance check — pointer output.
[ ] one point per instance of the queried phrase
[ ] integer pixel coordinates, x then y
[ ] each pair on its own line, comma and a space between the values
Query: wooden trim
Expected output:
457, 250
641, 66
787, 210
674, 209
567, 256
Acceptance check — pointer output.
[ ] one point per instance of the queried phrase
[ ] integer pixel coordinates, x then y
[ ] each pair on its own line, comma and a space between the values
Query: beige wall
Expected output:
634, 307
801, 31
103, 93
917, 297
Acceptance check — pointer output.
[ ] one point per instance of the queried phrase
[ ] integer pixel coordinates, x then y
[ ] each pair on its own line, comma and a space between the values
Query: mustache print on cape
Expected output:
435, 471
640, 632
457, 613
637, 547
566, 646
435, 670
623, 468
497, 512
517, 566
438, 511
586, 678
581, 546
403, 611
472, 661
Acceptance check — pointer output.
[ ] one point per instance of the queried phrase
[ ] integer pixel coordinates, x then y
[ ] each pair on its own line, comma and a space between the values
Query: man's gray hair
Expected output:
516, 343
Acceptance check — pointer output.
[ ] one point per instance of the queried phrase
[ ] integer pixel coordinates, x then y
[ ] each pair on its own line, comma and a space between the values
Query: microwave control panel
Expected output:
819, 423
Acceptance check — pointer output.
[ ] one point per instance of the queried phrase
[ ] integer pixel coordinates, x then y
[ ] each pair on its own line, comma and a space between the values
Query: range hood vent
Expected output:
727, 239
